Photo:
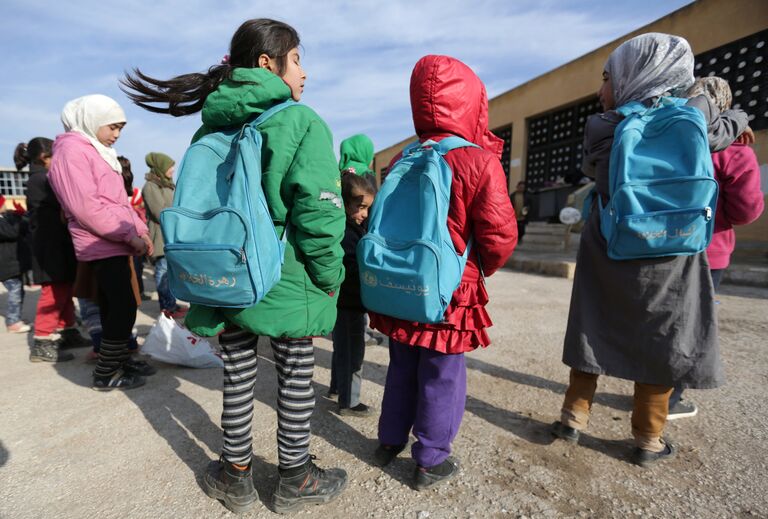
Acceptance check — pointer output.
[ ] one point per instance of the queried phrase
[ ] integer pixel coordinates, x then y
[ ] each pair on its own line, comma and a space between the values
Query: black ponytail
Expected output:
186, 94
33, 152
127, 174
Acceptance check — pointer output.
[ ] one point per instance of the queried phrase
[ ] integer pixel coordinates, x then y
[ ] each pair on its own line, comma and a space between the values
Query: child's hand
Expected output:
149, 244
747, 137
139, 246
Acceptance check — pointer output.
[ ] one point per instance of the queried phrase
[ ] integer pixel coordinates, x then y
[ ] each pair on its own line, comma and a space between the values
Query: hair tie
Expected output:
225, 59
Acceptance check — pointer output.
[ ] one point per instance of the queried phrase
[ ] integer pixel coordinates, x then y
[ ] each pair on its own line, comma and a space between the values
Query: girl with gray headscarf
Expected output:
651, 321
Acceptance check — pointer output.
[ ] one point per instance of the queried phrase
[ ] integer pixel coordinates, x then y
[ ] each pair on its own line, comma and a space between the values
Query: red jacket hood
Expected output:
447, 97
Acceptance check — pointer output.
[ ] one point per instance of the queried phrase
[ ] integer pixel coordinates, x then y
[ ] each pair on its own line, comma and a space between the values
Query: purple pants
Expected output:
425, 391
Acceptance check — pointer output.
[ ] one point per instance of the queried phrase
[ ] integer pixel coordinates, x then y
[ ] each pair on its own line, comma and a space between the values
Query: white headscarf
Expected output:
649, 65
85, 115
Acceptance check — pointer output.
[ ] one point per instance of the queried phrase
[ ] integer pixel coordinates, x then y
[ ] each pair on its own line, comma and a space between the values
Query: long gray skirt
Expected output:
651, 321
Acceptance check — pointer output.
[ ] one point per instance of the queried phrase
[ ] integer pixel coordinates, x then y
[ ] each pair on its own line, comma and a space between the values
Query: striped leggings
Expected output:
295, 362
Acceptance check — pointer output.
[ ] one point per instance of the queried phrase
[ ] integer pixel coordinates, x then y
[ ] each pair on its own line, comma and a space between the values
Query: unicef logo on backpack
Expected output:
369, 278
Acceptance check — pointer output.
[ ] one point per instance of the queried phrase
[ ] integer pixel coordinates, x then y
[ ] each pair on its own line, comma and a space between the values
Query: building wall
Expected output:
706, 24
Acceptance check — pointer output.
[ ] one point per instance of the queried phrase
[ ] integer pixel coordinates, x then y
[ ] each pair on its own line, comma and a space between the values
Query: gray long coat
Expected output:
647, 320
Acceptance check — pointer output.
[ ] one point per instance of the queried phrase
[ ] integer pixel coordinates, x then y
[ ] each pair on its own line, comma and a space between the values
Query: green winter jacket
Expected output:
301, 182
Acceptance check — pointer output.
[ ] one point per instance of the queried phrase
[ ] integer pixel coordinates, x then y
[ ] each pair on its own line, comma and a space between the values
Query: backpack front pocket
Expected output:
211, 275
662, 233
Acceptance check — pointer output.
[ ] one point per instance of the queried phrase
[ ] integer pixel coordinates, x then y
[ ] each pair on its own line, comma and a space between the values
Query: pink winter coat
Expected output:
92, 195
740, 201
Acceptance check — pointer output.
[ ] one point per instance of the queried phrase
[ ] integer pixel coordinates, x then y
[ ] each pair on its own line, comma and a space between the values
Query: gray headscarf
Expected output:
715, 88
649, 65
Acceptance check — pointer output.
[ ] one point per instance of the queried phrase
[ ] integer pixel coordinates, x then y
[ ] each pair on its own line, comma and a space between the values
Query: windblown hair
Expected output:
186, 94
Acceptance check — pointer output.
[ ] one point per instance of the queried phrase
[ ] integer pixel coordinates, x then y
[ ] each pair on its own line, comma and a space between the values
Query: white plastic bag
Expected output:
172, 343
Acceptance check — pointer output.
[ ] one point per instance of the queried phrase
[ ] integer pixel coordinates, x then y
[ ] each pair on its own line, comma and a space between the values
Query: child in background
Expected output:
53, 258
739, 202
106, 231
158, 195
14, 262
357, 156
426, 382
651, 321
349, 332
301, 185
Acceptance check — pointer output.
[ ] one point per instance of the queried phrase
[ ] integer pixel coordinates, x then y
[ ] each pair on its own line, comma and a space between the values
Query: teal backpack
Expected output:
409, 267
221, 244
662, 189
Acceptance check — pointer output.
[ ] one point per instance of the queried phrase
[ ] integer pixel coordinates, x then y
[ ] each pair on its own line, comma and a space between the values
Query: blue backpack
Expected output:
409, 267
221, 245
661, 183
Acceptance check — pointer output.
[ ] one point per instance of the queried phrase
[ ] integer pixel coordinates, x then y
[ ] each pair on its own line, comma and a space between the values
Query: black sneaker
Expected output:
682, 409
120, 380
385, 454
307, 485
231, 486
429, 477
360, 410
564, 432
332, 395
71, 338
646, 458
46, 350
139, 367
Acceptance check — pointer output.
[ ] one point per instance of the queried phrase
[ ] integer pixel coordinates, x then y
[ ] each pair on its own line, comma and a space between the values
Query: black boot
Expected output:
231, 486
47, 350
71, 338
385, 454
429, 477
119, 380
307, 485
139, 367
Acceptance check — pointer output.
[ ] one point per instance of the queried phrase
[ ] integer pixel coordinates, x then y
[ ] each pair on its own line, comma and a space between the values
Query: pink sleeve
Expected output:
72, 180
738, 174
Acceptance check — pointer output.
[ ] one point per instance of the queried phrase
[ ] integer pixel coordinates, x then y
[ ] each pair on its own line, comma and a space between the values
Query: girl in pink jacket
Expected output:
106, 231
739, 202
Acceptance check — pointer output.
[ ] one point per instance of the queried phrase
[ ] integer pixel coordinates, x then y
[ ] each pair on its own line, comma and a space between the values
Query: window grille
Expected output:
743, 64
13, 183
505, 133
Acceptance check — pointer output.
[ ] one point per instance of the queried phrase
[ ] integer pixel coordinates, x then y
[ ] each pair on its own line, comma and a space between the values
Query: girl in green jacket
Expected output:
302, 186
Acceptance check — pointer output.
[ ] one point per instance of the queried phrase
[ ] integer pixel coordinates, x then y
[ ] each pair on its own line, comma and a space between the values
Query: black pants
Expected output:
117, 303
348, 355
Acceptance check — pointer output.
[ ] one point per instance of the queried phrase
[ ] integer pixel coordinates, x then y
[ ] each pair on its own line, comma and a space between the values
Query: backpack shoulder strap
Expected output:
631, 108
272, 111
451, 143
442, 147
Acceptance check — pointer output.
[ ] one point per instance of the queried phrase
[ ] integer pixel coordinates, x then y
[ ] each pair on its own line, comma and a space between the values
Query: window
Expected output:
743, 64
505, 133
555, 144
13, 183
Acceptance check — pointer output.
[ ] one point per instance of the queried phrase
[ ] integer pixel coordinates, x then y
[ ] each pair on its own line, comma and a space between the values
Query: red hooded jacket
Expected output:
447, 98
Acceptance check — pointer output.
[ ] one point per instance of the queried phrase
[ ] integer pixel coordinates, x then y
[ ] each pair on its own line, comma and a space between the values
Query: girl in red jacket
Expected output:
426, 381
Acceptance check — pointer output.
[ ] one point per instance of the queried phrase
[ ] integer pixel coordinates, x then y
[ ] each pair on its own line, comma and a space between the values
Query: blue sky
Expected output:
358, 55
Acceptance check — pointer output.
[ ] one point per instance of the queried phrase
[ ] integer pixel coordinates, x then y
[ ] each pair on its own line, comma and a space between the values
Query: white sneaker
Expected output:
18, 327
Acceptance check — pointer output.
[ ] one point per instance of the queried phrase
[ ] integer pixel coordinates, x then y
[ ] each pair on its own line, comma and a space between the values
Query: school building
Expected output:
542, 120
